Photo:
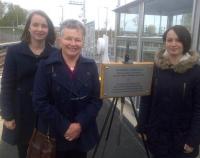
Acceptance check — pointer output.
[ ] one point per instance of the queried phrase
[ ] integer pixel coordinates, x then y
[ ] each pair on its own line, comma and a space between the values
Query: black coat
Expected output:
170, 116
60, 99
16, 91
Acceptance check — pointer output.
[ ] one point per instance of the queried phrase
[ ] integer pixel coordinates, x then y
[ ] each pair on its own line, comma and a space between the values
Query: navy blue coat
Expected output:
170, 116
60, 100
16, 91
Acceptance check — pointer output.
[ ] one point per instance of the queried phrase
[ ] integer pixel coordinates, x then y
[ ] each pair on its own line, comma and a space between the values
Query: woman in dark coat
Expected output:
66, 94
170, 117
17, 80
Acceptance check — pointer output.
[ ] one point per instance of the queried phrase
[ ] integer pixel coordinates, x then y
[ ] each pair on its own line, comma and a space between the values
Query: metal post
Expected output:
140, 30
84, 17
117, 22
75, 2
17, 19
195, 27
106, 20
62, 13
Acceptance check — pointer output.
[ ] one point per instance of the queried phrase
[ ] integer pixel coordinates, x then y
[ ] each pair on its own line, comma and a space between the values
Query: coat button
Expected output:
88, 73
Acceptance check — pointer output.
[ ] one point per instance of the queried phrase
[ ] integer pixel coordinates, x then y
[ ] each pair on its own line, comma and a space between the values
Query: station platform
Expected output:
130, 146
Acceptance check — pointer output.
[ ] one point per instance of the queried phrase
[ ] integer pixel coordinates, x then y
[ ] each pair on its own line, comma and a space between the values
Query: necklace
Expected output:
72, 68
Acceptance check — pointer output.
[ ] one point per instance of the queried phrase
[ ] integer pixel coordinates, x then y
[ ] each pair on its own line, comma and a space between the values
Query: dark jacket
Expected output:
60, 100
16, 91
170, 116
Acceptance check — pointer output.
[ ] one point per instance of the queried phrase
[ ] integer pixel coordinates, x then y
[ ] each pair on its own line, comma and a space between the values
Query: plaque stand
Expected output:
110, 115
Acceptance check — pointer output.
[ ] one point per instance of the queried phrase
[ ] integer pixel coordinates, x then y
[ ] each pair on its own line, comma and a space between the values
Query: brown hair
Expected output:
183, 35
50, 39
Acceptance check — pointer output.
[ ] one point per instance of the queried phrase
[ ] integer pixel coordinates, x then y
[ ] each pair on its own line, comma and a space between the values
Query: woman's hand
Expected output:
9, 124
188, 149
73, 132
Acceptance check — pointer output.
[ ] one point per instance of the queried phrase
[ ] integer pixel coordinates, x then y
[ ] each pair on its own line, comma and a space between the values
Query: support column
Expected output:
140, 30
195, 29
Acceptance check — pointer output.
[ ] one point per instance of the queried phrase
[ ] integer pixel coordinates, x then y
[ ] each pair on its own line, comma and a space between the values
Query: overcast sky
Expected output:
96, 10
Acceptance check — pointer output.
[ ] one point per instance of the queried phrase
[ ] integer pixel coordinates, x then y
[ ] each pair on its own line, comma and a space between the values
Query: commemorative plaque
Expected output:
125, 80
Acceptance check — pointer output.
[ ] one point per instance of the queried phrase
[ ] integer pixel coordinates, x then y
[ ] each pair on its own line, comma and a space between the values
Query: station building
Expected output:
140, 24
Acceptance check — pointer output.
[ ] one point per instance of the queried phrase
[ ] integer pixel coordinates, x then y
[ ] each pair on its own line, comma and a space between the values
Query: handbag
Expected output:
41, 146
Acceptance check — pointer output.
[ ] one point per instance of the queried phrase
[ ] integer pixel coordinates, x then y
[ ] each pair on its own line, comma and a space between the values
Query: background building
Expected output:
141, 23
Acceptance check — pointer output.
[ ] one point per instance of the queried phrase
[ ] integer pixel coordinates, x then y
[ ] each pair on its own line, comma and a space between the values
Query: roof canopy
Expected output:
158, 7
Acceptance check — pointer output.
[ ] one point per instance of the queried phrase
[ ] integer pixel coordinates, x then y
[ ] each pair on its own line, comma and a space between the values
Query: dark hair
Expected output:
72, 24
183, 36
50, 39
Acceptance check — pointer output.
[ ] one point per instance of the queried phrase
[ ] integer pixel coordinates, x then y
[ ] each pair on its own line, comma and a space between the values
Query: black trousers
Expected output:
71, 154
22, 150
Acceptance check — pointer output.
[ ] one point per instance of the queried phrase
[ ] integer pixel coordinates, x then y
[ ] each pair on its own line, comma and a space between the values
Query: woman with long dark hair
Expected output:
19, 70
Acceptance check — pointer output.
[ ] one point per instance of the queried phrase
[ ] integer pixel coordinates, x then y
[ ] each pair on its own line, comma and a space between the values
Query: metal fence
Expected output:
10, 34
3, 47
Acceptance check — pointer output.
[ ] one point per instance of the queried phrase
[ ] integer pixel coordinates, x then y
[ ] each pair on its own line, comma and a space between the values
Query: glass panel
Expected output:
149, 49
128, 24
126, 39
126, 46
159, 15
183, 19
154, 25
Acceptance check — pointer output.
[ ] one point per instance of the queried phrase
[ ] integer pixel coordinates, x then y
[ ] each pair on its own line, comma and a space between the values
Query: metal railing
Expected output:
3, 47
10, 34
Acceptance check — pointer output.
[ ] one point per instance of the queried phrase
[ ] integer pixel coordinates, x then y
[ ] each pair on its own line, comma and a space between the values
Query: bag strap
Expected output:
36, 126
36, 122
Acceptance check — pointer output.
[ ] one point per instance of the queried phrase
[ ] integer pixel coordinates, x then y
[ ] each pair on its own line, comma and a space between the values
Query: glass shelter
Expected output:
141, 23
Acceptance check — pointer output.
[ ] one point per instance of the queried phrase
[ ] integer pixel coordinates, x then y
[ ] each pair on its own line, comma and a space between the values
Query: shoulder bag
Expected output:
41, 145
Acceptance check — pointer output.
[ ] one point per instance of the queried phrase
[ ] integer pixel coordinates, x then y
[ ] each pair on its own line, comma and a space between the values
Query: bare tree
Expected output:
14, 15
2, 9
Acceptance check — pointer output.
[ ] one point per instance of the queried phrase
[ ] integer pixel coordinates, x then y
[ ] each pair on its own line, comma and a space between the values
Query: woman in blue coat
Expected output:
66, 95
170, 117
17, 80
